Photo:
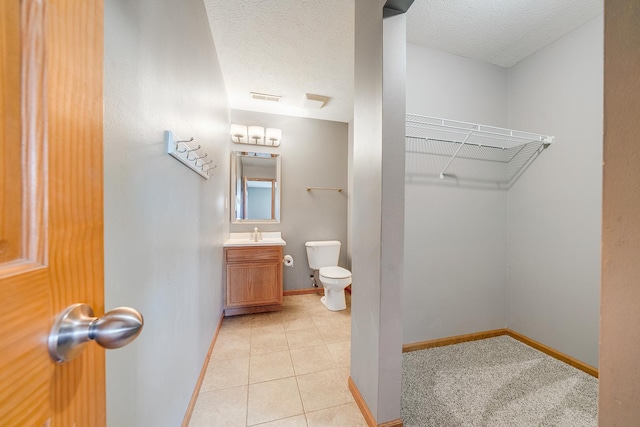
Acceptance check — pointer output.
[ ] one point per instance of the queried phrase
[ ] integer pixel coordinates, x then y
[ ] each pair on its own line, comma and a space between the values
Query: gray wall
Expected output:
555, 207
350, 187
314, 154
391, 264
366, 201
164, 225
260, 206
444, 85
377, 172
455, 234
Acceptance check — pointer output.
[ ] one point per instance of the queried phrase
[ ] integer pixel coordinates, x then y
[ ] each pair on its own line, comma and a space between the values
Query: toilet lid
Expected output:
335, 272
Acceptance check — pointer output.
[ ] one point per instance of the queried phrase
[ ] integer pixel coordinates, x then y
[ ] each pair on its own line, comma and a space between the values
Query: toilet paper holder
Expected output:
288, 261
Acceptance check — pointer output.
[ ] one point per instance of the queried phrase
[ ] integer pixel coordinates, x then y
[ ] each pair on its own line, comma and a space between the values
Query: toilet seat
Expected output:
335, 272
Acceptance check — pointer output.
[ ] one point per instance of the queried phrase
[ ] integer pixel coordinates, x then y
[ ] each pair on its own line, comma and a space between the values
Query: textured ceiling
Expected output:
500, 32
287, 48
293, 47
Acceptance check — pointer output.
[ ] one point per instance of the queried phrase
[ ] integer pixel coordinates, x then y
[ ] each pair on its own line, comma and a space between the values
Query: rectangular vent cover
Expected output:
265, 97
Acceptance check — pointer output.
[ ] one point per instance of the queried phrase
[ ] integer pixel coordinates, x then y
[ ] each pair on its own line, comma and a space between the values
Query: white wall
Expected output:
555, 206
314, 154
164, 225
455, 233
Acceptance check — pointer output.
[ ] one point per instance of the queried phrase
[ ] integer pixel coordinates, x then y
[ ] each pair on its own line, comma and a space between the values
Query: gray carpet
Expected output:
494, 382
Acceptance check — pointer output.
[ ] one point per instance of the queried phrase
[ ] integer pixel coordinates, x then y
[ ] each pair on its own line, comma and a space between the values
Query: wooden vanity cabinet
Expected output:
253, 279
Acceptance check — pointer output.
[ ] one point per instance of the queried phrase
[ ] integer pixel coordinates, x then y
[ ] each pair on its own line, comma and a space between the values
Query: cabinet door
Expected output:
253, 284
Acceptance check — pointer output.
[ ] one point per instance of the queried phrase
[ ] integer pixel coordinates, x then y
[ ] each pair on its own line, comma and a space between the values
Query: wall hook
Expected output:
172, 144
196, 154
184, 142
196, 158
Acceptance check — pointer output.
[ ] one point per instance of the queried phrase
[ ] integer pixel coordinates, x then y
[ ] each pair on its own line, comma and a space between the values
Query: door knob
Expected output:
76, 326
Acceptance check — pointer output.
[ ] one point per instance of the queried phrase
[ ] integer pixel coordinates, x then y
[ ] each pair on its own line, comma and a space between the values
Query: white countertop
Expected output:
267, 238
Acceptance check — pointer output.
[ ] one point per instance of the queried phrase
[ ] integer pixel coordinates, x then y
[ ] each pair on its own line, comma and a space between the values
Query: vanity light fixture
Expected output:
255, 135
239, 134
273, 136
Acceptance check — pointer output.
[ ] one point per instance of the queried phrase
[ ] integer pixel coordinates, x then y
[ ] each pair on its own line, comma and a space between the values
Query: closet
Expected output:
502, 226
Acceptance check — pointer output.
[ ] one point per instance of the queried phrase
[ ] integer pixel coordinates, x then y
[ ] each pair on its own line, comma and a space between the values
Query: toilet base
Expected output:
334, 300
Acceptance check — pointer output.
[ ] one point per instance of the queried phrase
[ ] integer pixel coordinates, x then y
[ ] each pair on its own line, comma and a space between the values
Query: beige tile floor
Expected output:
286, 369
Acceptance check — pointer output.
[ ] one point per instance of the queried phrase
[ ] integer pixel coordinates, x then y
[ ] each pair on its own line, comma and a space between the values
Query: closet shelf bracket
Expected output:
466, 138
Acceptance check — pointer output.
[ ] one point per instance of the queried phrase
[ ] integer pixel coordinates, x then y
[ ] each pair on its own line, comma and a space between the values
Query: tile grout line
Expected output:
295, 376
304, 412
246, 418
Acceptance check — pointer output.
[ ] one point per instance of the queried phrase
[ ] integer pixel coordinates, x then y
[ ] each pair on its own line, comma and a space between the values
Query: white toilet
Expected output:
323, 256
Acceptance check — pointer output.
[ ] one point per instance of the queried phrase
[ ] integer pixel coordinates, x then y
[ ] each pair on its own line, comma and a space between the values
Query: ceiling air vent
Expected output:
265, 97
311, 100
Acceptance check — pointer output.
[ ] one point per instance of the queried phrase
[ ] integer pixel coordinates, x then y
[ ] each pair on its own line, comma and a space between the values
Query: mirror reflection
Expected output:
255, 186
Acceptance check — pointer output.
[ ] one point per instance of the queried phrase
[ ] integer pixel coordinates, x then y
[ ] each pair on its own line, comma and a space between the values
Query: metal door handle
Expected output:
76, 326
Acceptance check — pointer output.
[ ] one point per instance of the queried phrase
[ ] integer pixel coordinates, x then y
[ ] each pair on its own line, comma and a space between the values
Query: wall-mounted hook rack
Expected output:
181, 150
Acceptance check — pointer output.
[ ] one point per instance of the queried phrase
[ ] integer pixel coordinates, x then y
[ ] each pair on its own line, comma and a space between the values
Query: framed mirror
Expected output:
255, 187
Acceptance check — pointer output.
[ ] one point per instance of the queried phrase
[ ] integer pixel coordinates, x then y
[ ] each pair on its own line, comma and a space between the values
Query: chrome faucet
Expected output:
255, 234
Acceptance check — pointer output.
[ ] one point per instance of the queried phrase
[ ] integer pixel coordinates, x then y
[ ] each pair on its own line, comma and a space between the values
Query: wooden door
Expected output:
51, 226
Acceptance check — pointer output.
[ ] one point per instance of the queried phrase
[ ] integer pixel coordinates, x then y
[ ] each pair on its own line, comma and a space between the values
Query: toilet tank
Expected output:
323, 253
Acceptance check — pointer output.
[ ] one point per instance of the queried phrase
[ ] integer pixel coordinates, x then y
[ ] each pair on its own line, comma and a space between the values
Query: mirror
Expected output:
255, 187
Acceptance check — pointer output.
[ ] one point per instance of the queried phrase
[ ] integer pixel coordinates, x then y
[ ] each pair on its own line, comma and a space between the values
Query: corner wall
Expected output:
366, 201
314, 154
526, 258
455, 235
164, 225
555, 206
378, 170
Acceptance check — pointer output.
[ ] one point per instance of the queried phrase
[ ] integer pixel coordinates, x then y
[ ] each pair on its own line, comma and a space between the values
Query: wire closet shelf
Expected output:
462, 150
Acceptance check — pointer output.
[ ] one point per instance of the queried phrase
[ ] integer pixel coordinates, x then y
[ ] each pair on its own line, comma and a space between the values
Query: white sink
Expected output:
267, 238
